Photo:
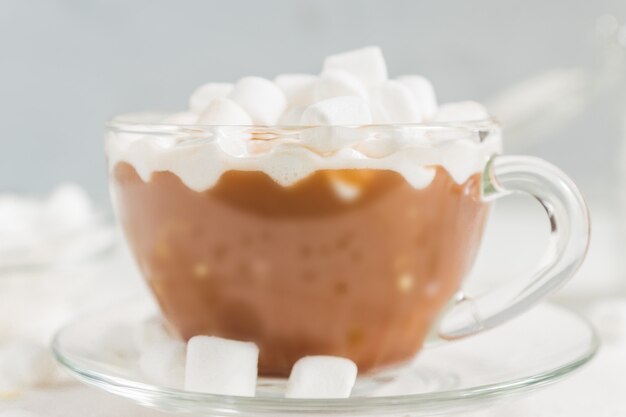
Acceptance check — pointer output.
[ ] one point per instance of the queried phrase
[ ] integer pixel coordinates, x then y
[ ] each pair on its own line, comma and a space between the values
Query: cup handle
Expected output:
569, 239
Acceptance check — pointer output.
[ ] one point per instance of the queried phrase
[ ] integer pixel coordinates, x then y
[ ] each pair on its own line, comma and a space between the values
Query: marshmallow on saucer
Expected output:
393, 102
462, 111
348, 110
221, 366
150, 332
336, 83
367, 64
321, 377
423, 93
225, 112
298, 88
204, 94
164, 363
260, 98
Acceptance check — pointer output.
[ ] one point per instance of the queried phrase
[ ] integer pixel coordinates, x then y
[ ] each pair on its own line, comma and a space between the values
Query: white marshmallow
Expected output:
150, 332
117, 341
462, 111
17, 412
298, 88
337, 111
182, 118
394, 103
225, 112
221, 366
423, 93
164, 363
204, 94
291, 117
321, 377
336, 83
25, 364
260, 98
68, 208
367, 64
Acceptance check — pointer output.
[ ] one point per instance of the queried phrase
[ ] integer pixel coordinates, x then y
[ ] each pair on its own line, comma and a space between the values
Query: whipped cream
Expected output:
351, 116
200, 156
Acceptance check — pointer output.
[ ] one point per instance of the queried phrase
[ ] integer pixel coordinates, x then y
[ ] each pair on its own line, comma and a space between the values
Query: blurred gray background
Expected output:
69, 65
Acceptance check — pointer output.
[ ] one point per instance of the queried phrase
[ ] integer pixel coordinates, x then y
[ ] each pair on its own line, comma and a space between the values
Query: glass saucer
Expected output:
538, 348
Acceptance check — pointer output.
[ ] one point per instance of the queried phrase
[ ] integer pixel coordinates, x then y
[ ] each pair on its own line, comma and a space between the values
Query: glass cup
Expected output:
334, 240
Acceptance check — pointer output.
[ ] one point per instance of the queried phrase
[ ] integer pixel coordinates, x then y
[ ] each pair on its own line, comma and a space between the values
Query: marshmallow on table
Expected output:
393, 102
221, 366
25, 364
367, 64
68, 207
298, 88
164, 363
336, 83
321, 377
423, 93
204, 94
224, 111
462, 111
346, 110
260, 98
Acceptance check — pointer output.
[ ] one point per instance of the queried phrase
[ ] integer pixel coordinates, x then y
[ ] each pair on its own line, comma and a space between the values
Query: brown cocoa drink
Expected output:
355, 263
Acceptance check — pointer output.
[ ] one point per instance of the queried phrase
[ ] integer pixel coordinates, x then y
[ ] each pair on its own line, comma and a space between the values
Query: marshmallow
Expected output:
225, 112
17, 412
336, 83
321, 377
221, 366
204, 94
337, 111
25, 364
367, 64
150, 332
462, 111
393, 102
117, 341
164, 363
68, 208
298, 88
261, 98
291, 117
182, 118
423, 93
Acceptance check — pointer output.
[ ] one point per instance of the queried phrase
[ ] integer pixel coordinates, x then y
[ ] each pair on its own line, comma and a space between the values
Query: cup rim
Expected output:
142, 121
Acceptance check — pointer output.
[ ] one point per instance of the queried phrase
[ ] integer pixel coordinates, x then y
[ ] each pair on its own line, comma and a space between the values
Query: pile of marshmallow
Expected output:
214, 365
64, 226
352, 89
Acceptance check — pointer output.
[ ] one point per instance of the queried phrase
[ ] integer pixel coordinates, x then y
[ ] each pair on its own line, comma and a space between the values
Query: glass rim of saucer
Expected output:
162, 397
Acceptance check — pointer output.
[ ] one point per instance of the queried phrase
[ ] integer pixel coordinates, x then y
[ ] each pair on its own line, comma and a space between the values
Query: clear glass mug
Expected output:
348, 241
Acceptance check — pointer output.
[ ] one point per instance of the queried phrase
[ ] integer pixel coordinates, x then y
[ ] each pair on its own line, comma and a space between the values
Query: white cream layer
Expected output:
199, 156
